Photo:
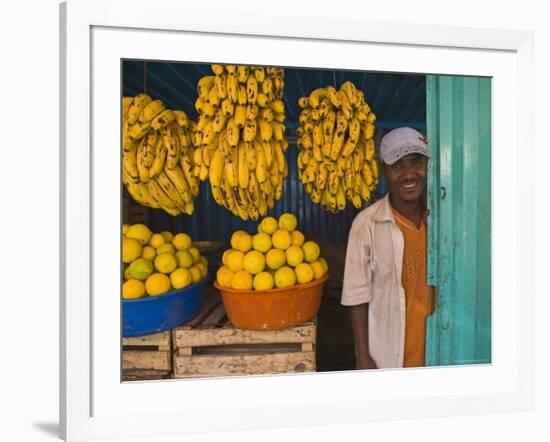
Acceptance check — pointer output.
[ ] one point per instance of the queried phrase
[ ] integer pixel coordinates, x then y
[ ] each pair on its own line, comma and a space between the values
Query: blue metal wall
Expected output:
396, 100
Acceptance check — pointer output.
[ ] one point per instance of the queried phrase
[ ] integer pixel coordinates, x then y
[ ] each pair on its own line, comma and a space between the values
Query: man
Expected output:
385, 273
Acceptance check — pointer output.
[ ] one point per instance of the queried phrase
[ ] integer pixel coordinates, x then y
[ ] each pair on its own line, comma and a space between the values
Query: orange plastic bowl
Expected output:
272, 309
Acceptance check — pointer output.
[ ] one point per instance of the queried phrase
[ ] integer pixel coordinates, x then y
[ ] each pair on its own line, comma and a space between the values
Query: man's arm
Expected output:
360, 328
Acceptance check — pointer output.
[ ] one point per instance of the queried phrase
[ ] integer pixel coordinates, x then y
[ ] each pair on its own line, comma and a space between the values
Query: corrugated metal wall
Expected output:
396, 100
459, 258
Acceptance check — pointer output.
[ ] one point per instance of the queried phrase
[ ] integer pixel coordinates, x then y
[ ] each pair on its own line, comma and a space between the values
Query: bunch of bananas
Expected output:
337, 161
157, 155
240, 137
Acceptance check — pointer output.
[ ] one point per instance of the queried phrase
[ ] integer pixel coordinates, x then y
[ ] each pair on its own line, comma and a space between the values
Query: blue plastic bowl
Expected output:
156, 314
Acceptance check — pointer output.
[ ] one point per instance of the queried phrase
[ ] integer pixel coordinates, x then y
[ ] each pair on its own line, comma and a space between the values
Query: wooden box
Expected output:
147, 357
209, 345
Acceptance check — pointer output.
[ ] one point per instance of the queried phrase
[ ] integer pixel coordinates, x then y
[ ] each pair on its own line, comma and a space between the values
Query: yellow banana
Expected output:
242, 165
262, 100
160, 157
129, 162
315, 97
251, 89
150, 111
267, 87
265, 130
220, 86
203, 172
267, 115
349, 147
213, 98
219, 121
268, 153
278, 130
278, 106
315, 115
126, 103
197, 156
128, 143
232, 69
366, 172
249, 130
374, 168
332, 95
358, 157
303, 102
259, 73
138, 103
138, 130
333, 183
177, 178
317, 153
231, 169
340, 166
204, 85
170, 190
332, 202
187, 167
368, 131
209, 110
322, 176
242, 73
324, 108
232, 132
227, 107
341, 198
253, 189
240, 115
337, 144
171, 142
261, 165
241, 95
181, 118
251, 156
252, 112
369, 149
150, 148
208, 133
143, 171
318, 135
278, 156
199, 103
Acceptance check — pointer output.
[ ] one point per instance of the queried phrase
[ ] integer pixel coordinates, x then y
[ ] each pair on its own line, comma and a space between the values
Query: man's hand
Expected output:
366, 363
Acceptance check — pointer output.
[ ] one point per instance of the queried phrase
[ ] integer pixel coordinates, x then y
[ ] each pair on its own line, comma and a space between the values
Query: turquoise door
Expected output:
459, 199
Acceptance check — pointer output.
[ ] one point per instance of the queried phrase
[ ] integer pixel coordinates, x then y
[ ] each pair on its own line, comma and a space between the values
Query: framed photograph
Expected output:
211, 141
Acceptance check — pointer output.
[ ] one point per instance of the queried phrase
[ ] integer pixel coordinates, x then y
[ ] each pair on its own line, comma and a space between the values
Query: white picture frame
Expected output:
97, 33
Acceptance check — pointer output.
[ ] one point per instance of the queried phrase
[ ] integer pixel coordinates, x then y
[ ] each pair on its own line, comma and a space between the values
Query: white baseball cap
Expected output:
400, 142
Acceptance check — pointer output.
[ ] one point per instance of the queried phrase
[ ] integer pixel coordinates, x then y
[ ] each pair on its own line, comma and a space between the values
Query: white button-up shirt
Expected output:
374, 262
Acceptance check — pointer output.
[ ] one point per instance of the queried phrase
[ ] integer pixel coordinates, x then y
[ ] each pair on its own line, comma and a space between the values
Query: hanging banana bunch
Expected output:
336, 162
240, 137
157, 155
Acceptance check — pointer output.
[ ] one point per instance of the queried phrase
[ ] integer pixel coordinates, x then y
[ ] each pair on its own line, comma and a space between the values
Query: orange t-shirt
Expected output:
419, 295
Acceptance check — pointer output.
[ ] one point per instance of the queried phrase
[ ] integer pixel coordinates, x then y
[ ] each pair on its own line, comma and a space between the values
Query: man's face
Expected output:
407, 176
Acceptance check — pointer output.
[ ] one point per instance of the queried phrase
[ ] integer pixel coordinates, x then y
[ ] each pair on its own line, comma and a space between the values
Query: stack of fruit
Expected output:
337, 152
157, 155
240, 137
277, 256
157, 263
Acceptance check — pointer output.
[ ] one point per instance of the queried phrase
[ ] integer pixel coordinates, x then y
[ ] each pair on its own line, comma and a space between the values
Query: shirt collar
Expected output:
384, 212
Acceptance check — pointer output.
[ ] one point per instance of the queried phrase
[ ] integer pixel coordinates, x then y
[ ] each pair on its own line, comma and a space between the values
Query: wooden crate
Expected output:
209, 345
147, 357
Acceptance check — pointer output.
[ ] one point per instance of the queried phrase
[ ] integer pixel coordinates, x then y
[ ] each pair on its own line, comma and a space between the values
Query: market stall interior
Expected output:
396, 100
